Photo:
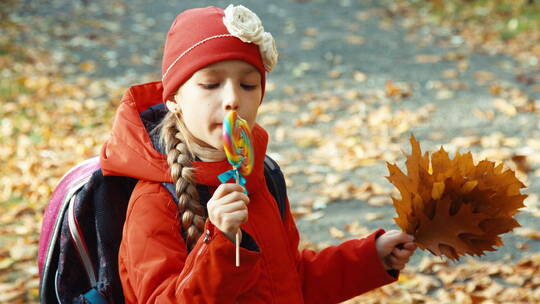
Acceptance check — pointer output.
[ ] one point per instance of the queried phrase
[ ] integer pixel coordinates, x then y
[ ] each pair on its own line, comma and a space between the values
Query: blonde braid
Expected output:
191, 213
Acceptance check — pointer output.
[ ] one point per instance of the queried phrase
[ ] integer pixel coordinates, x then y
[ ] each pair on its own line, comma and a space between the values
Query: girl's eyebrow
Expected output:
249, 70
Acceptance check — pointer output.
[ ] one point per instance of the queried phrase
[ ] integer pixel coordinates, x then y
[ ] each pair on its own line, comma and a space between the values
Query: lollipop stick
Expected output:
238, 248
237, 243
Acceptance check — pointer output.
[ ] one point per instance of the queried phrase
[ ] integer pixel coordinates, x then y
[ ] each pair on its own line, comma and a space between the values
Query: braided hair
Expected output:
191, 213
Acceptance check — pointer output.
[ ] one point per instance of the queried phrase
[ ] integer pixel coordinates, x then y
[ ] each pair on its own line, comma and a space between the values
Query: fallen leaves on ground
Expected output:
49, 122
55, 113
510, 27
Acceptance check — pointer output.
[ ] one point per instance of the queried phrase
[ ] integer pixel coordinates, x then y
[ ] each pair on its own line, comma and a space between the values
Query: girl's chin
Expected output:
217, 144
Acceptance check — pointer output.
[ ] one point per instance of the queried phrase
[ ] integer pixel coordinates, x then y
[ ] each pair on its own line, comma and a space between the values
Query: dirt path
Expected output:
337, 59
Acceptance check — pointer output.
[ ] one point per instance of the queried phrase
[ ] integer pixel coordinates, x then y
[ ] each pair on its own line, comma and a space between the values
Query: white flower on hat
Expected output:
268, 51
245, 25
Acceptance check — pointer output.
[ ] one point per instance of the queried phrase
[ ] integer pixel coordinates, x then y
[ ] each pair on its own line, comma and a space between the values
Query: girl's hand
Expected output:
227, 209
394, 249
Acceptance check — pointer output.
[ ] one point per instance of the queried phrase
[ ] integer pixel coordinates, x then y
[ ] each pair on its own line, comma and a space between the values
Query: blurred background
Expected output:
355, 78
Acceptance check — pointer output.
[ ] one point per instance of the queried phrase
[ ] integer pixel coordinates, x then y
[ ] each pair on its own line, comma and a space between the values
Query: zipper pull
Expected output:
207, 236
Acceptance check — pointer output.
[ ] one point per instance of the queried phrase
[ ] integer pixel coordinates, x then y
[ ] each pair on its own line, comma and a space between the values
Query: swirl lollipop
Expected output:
237, 143
239, 151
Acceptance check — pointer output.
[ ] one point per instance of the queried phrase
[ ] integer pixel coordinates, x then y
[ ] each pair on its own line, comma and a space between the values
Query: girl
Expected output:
215, 61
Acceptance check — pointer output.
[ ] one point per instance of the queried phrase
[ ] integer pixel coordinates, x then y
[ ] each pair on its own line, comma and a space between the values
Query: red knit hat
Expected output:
197, 38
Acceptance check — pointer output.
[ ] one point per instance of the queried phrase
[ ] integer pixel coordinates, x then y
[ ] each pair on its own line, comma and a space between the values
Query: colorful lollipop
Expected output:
239, 151
237, 143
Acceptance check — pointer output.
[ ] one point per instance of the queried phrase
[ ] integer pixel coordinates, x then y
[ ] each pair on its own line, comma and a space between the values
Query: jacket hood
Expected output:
130, 151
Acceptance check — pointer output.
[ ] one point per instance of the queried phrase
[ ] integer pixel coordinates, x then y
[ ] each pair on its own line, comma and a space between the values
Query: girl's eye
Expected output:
209, 86
248, 87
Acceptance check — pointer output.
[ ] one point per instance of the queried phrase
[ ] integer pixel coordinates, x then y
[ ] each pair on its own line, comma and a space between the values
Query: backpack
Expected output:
82, 228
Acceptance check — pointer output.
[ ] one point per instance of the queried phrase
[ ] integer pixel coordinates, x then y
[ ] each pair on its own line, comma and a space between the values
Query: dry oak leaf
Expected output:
452, 206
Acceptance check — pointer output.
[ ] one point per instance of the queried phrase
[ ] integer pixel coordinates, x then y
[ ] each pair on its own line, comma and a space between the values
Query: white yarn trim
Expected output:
191, 48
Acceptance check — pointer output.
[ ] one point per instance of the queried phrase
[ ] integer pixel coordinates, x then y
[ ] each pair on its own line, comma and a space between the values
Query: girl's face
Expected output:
212, 91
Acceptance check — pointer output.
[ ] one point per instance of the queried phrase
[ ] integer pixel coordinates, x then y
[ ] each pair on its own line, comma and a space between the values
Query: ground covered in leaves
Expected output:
350, 88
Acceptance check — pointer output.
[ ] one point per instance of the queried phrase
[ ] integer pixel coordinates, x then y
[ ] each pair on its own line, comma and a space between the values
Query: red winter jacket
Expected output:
155, 266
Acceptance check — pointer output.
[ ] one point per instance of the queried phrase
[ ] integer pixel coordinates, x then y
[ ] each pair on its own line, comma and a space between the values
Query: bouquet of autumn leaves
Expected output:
452, 206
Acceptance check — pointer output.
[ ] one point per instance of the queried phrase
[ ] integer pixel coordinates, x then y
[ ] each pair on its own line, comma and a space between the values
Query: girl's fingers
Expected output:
397, 237
396, 263
227, 188
402, 254
399, 260
235, 219
403, 248
410, 246
234, 197
231, 207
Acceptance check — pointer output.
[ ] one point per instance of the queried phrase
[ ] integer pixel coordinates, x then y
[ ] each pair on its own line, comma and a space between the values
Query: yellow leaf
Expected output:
437, 191
422, 58
87, 66
468, 186
360, 77
335, 232
404, 278
354, 39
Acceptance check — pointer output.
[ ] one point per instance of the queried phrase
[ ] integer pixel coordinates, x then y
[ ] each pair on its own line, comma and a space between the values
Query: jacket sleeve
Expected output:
158, 268
341, 272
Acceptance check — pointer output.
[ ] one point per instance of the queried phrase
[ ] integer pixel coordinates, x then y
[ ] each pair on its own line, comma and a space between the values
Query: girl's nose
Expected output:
231, 98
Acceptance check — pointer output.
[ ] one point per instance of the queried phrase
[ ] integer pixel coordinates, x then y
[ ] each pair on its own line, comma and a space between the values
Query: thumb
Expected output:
395, 239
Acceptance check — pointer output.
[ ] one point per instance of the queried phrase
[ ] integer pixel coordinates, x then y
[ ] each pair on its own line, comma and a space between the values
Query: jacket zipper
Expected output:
201, 250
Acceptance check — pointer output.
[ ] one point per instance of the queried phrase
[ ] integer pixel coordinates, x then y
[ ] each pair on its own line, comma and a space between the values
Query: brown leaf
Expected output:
373, 216
354, 39
505, 107
437, 191
483, 76
529, 233
423, 58
356, 229
336, 233
311, 31
379, 200
450, 73
87, 66
394, 90
441, 234
521, 163
452, 206
334, 74
360, 77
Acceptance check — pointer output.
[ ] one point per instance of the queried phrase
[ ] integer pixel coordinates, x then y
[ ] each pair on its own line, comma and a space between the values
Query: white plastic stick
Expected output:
237, 243
238, 248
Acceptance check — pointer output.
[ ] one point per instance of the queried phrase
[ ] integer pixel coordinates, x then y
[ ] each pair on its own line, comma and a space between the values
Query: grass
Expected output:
10, 88
508, 18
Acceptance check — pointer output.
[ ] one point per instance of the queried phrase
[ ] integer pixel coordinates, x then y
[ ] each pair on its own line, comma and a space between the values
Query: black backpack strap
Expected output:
275, 181
204, 194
